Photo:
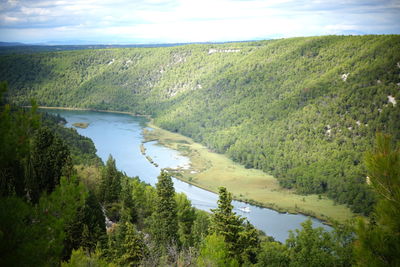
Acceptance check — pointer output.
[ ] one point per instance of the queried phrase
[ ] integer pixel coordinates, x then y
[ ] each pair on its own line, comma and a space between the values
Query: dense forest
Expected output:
52, 212
302, 109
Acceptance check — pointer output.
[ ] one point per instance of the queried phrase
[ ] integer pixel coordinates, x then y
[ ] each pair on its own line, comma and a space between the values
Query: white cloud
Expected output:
35, 11
341, 27
193, 20
8, 19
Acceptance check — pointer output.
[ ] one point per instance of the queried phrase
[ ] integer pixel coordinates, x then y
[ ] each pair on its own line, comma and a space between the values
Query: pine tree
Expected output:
200, 227
186, 218
214, 252
33, 235
128, 205
225, 222
16, 128
379, 241
250, 243
81, 258
50, 159
110, 186
313, 247
165, 218
242, 239
133, 247
86, 229
86, 239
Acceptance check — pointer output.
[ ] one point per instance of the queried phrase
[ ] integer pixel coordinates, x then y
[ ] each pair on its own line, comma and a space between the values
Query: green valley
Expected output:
304, 110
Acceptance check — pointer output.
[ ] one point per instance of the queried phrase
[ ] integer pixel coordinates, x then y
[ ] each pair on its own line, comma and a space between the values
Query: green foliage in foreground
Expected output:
40, 195
165, 218
310, 247
214, 252
241, 238
110, 186
33, 234
80, 258
282, 106
379, 241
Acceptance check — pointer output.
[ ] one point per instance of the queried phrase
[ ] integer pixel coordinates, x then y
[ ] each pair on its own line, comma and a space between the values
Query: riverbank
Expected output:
211, 170
96, 110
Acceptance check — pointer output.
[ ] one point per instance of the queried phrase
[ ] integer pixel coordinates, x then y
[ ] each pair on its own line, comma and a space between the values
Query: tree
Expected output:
33, 235
16, 128
273, 254
242, 239
165, 218
133, 247
200, 227
110, 186
186, 217
316, 247
379, 241
80, 258
214, 251
250, 243
86, 229
50, 159
144, 196
128, 205
224, 221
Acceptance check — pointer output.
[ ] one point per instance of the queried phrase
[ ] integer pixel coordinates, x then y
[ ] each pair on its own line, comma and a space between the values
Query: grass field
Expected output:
211, 170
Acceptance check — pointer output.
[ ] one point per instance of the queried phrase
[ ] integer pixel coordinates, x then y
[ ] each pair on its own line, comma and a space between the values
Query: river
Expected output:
121, 135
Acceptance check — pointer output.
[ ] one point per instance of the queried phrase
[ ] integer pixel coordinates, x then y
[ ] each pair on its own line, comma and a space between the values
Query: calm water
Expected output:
121, 135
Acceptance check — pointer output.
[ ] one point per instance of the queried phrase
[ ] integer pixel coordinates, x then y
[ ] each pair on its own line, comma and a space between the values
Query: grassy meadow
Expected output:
210, 170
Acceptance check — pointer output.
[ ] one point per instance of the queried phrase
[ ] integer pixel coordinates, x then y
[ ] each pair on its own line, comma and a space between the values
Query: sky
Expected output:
181, 21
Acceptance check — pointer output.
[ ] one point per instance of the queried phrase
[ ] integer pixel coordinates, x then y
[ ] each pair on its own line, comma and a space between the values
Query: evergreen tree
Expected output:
128, 205
93, 218
86, 229
133, 247
111, 250
379, 241
16, 129
250, 243
242, 239
80, 258
33, 235
273, 254
215, 252
87, 239
110, 186
316, 247
50, 159
186, 218
200, 227
165, 218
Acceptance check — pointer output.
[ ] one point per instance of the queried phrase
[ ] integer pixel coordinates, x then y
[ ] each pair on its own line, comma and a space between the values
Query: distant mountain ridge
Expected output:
302, 109
12, 44
23, 48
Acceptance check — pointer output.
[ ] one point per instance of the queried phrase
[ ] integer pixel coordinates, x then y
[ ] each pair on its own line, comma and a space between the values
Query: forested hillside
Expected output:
302, 109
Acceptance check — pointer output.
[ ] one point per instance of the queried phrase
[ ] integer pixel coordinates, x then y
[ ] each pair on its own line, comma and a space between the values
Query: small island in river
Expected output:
82, 125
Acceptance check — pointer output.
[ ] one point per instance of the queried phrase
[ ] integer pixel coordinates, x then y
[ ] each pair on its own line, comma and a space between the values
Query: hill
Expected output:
8, 44
302, 109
